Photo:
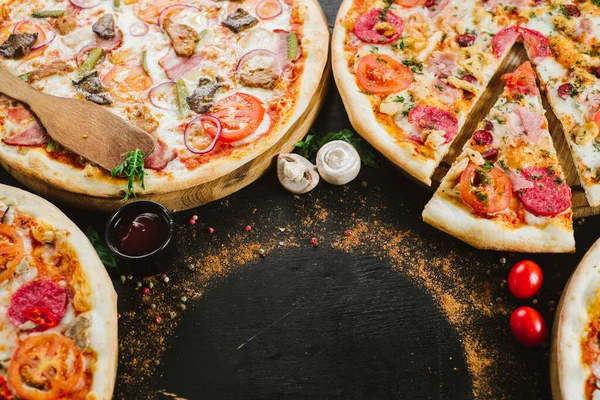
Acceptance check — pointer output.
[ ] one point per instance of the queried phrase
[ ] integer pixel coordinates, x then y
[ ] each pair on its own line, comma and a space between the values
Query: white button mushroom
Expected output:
338, 162
296, 173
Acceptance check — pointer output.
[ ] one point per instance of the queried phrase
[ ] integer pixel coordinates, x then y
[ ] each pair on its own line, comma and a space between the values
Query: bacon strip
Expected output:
160, 157
34, 136
175, 67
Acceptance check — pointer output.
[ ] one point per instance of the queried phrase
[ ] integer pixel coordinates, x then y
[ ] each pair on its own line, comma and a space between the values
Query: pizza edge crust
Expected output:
568, 373
361, 114
37, 165
103, 321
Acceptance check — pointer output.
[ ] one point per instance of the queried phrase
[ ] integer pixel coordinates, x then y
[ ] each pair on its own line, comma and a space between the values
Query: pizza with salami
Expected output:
58, 325
410, 71
215, 82
507, 189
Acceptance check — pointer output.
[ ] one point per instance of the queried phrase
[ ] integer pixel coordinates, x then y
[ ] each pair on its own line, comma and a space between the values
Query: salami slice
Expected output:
504, 40
549, 196
536, 44
378, 26
45, 295
429, 117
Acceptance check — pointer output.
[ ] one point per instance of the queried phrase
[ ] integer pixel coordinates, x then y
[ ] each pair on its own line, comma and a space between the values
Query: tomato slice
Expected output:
240, 115
11, 250
149, 10
45, 366
126, 79
522, 80
381, 74
411, 3
485, 189
596, 118
30, 27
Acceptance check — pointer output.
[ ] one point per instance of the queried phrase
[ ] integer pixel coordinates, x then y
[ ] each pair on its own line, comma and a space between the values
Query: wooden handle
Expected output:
14, 87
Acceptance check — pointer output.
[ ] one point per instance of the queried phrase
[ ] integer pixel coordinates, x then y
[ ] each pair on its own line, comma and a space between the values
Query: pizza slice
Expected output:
506, 191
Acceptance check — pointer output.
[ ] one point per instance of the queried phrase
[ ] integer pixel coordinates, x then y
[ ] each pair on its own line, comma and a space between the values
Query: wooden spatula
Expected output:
83, 127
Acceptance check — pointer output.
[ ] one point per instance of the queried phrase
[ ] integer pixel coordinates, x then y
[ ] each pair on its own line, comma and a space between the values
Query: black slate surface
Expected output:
306, 322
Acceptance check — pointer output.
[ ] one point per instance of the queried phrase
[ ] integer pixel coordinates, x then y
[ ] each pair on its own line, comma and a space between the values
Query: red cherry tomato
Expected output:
525, 279
528, 326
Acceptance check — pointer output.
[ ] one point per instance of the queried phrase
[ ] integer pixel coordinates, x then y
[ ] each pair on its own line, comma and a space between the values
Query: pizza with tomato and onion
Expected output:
410, 71
507, 189
58, 308
216, 83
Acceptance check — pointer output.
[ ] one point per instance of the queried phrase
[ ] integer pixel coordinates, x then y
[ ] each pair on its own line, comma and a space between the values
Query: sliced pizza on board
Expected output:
506, 191
58, 324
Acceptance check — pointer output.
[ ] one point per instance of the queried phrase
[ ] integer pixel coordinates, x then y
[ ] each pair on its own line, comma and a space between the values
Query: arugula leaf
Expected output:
132, 168
104, 253
312, 143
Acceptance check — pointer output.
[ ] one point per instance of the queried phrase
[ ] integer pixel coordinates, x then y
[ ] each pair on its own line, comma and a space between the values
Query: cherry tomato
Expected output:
381, 74
485, 189
528, 326
525, 279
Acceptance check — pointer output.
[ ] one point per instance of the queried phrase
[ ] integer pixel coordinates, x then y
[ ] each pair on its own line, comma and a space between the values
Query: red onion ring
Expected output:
82, 54
49, 32
156, 91
84, 3
211, 146
259, 52
163, 13
138, 29
263, 12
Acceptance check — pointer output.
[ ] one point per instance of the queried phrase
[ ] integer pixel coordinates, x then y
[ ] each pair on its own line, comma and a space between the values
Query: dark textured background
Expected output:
327, 323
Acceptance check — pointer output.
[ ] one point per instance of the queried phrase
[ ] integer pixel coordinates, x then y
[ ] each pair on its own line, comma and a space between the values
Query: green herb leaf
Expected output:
132, 168
104, 253
312, 143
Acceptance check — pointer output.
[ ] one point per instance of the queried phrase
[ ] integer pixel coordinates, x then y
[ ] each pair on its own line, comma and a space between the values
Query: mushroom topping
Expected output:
296, 173
338, 162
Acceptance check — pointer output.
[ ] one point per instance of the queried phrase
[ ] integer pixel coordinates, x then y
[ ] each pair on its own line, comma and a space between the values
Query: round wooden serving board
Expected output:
517, 56
197, 195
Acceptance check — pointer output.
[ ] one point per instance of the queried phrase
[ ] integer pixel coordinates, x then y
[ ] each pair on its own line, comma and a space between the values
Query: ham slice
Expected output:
175, 67
531, 121
437, 7
443, 63
33, 136
446, 93
160, 157
519, 182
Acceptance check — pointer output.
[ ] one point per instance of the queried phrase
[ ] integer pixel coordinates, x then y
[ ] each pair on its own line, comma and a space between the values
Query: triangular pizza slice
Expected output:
506, 191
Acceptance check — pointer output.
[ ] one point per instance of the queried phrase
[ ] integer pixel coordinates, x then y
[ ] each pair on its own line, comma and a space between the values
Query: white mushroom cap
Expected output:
296, 173
338, 162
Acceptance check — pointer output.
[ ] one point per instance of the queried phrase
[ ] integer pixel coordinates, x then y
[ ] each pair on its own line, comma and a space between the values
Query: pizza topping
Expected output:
196, 136
504, 40
160, 157
490, 154
138, 29
291, 45
5, 393
465, 39
183, 38
527, 121
202, 98
443, 63
88, 55
378, 26
175, 67
127, 79
18, 45
12, 250
411, 3
536, 44
436, 6
140, 116
268, 9
91, 89
240, 115
42, 302
296, 174
45, 32
105, 27
66, 23
85, 3
485, 189
45, 366
522, 80
32, 136
518, 181
111, 44
570, 10
47, 14
164, 96
78, 331
259, 68
469, 78
57, 67
429, 117
338, 162
566, 90
382, 74
585, 134
483, 137
549, 196
240, 20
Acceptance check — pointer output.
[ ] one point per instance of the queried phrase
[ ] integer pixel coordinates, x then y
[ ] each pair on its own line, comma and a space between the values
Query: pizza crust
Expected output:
103, 316
567, 372
35, 163
482, 233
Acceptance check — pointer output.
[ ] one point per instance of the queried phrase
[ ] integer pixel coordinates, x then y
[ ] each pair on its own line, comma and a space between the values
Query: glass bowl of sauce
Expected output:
141, 232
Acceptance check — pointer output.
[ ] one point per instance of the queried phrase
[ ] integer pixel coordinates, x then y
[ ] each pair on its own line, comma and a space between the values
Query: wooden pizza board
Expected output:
197, 195
517, 56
